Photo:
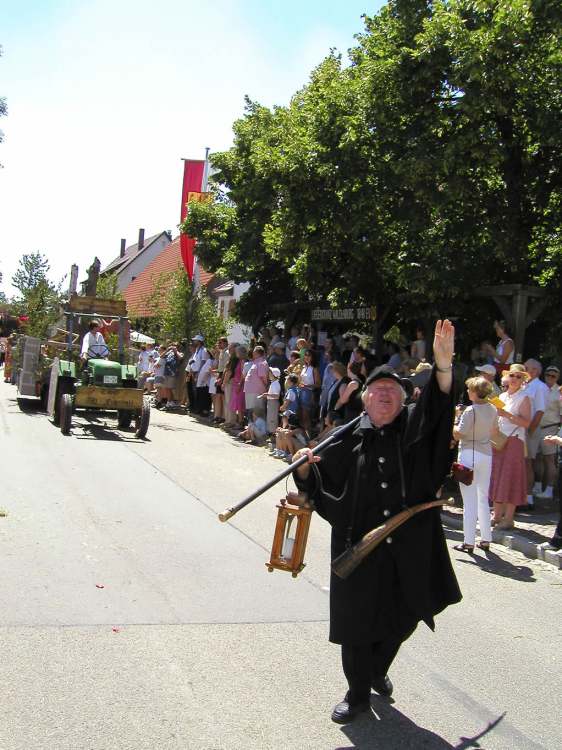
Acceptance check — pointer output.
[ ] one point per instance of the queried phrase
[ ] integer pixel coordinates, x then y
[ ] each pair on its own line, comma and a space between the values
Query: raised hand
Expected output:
444, 344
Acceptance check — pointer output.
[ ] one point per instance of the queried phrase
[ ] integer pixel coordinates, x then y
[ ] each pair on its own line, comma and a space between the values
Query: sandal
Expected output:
469, 549
484, 545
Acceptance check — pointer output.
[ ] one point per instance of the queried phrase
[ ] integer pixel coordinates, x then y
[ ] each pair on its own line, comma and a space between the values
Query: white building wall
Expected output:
137, 266
237, 333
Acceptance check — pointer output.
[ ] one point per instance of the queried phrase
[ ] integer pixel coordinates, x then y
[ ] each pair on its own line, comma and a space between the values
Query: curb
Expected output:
542, 551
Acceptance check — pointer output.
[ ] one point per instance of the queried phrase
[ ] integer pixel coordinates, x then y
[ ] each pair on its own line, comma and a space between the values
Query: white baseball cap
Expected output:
488, 369
198, 338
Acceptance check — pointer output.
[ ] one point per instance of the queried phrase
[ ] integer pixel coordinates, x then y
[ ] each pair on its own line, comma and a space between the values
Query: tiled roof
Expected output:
131, 252
141, 288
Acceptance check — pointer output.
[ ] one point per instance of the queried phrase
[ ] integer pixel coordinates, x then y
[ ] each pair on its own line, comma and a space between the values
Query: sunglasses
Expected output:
551, 375
512, 375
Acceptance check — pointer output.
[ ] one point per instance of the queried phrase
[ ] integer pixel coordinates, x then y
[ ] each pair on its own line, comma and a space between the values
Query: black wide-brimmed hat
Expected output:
385, 373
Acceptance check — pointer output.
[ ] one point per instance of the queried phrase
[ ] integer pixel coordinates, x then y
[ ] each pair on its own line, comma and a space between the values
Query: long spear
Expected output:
229, 512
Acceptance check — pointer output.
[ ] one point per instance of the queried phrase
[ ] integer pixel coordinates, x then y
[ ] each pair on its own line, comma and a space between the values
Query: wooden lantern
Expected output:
291, 534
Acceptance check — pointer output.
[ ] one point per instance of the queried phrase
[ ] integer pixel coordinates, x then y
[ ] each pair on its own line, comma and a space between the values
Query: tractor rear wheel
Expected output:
124, 419
64, 386
142, 419
65, 413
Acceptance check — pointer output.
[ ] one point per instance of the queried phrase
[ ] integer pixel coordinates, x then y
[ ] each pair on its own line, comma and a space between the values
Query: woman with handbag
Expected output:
508, 487
474, 431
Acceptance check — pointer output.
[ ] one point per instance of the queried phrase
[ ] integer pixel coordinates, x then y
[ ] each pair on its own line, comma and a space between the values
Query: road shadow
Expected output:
170, 428
490, 562
534, 536
386, 727
29, 407
95, 429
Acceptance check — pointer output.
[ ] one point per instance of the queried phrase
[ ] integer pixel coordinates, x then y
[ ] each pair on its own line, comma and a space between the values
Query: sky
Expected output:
105, 97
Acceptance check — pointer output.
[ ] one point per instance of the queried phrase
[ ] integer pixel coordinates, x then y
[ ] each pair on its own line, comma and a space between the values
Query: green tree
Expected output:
426, 168
39, 299
179, 314
231, 231
107, 287
32, 270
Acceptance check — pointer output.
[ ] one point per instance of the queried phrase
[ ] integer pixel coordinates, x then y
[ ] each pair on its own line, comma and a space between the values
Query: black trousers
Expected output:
361, 664
191, 394
202, 400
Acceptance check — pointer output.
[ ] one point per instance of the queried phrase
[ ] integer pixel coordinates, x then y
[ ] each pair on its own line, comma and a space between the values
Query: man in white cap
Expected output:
489, 372
538, 394
196, 360
549, 425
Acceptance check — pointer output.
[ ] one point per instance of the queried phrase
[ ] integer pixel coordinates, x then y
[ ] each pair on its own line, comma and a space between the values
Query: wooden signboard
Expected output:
96, 306
97, 397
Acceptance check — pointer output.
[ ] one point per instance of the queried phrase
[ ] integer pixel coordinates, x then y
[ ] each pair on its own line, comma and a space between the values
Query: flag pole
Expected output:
204, 186
205, 183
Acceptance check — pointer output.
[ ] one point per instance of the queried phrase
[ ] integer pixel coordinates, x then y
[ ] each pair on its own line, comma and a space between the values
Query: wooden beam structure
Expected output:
520, 305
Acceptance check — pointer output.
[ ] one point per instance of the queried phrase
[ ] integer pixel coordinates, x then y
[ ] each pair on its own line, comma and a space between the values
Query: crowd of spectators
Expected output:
509, 434
286, 394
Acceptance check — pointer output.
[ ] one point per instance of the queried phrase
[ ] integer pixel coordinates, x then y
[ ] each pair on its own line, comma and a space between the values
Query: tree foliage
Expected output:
32, 270
39, 299
427, 167
179, 314
108, 288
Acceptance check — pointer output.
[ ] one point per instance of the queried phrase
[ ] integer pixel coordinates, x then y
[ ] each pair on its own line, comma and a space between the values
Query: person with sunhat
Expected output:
397, 456
508, 485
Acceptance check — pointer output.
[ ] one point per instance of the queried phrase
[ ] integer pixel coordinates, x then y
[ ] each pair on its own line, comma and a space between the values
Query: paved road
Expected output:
131, 618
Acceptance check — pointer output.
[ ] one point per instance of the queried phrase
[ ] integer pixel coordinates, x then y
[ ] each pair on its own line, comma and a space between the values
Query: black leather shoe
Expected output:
345, 712
382, 685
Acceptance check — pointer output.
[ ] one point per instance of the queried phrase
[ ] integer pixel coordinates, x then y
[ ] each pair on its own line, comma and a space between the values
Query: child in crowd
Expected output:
295, 364
256, 430
290, 439
291, 401
272, 400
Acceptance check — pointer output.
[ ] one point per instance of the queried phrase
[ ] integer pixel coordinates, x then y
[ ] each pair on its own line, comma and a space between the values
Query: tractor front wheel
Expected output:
65, 413
142, 419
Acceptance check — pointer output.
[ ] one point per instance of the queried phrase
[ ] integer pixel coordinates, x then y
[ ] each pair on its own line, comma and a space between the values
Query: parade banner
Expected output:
193, 172
347, 315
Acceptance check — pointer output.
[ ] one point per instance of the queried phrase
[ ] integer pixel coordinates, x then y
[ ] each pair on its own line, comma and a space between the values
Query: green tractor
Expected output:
98, 384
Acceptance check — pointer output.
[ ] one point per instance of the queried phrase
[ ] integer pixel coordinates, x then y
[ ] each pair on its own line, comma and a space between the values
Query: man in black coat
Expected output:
396, 457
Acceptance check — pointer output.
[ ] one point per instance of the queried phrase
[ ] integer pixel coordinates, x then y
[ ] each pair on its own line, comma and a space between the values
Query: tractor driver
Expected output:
93, 343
